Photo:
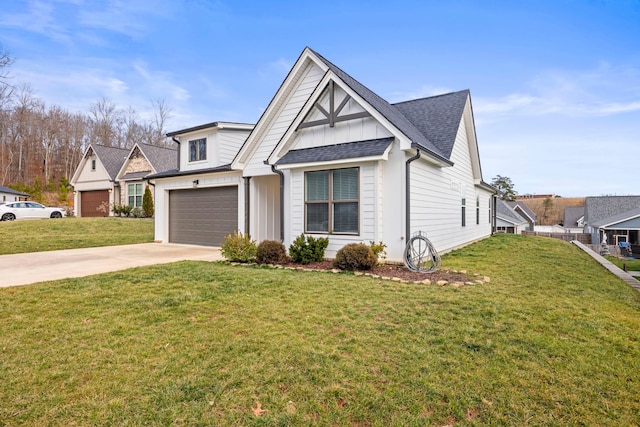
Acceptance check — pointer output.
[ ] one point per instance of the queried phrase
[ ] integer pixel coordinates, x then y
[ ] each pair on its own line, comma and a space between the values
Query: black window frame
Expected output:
331, 203
199, 152
464, 212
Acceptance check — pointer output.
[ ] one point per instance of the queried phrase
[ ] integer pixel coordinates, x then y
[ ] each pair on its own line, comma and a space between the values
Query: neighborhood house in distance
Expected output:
108, 176
328, 158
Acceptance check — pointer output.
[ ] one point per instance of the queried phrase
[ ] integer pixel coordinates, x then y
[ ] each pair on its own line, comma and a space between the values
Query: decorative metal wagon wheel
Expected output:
420, 255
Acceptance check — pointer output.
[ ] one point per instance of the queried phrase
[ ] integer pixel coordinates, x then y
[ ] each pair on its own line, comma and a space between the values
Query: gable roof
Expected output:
572, 214
160, 158
507, 213
437, 117
601, 208
394, 114
8, 190
615, 219
112, 158
348, 150
524, 209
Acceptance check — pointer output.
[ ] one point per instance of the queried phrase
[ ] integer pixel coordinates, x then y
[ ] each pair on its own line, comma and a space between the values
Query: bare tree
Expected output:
161, 115
105, 123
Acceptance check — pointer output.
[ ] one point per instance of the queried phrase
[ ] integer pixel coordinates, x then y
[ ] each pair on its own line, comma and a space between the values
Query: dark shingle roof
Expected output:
506, 213
112, 158
603, 207
437, 117
349, 150
621, 217
518, 205
134, 175
8, 190
392, 113
572, 214
161, 158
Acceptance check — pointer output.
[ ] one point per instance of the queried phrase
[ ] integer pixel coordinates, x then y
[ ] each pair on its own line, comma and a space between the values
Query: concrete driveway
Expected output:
23, 269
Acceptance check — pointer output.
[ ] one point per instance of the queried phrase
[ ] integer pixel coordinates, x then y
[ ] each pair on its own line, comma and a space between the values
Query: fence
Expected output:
567, 237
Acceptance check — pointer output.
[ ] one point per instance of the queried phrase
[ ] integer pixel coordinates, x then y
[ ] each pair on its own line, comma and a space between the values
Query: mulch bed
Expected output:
399, 272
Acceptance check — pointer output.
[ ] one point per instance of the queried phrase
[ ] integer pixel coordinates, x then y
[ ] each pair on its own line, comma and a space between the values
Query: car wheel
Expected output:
56, 215
8, 217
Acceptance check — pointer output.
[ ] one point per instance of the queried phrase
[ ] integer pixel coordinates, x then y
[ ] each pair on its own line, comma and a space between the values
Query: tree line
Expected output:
41, 145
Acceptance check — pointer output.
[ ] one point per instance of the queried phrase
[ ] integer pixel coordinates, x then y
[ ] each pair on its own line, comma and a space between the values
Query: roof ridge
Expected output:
431, 97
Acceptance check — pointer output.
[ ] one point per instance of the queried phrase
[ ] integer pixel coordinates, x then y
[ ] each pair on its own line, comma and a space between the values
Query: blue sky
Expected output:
555, 84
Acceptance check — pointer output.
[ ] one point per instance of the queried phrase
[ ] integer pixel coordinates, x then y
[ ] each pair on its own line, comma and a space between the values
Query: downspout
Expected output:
494, 220
407, 219
274, 170
247, 204
173, 138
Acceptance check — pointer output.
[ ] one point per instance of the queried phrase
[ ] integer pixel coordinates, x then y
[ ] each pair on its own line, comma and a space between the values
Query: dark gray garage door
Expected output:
90, 201
203, 216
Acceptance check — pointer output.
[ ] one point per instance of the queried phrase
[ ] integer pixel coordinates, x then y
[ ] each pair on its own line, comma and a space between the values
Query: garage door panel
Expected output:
91, 200
203, 216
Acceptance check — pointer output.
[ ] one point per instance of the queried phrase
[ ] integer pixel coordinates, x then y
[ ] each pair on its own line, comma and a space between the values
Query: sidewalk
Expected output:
23, 269
626, 276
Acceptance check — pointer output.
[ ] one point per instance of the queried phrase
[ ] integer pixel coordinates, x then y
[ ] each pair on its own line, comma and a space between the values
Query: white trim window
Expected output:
198, 150
332, 201
134, 195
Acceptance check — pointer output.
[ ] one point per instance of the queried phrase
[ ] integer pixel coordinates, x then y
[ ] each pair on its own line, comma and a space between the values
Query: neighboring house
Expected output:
525, 212
108, 176
573, 219
509, 219
616, 216
330, 158
10, 195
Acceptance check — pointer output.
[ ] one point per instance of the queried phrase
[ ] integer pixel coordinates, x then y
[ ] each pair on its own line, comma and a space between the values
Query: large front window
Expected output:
331, 201
134, 191
198, 150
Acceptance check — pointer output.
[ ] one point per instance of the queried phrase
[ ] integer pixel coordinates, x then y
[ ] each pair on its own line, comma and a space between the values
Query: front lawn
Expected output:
551, 340
631, 264
70, 233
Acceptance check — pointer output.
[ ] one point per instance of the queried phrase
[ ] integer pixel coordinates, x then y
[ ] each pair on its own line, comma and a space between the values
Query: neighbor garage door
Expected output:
91, 200
203, 216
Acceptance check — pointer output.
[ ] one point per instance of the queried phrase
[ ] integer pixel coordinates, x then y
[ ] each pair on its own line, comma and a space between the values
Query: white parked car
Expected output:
28, 210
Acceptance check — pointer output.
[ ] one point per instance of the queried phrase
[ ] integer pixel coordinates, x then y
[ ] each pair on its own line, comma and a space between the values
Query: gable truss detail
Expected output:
333, 115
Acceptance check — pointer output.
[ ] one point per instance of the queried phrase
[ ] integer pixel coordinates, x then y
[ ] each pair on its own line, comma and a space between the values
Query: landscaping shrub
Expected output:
271, 252
147, 203
378, 249
239, 248
355, 256
137, 212
307, 249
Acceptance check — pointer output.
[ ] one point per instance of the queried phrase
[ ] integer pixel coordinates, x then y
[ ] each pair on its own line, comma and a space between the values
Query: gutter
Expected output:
177, 141
274, 170
407, 200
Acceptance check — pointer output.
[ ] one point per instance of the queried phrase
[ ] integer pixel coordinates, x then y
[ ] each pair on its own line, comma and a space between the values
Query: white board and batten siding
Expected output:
164, 186
436, 199
222, 146
367, 208
282, 120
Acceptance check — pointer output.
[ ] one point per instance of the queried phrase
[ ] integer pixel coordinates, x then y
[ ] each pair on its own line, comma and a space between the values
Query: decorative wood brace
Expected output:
333, 115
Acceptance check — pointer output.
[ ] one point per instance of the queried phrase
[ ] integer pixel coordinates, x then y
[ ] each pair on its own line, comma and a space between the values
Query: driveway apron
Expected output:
23, 269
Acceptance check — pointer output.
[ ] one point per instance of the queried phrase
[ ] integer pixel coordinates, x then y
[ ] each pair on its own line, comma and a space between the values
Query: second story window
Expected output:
93, 165
198, 150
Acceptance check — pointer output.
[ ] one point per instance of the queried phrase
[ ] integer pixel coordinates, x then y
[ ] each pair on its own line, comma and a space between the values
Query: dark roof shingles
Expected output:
112, 158
348, 150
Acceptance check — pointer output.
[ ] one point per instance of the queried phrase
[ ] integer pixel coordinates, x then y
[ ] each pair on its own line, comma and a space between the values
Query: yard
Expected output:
70, 233
551, 340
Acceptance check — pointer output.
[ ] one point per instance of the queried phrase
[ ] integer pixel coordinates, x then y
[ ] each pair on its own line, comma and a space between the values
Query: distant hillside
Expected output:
556, 214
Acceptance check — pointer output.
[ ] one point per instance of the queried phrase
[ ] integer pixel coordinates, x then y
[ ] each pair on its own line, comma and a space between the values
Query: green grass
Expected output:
69, 233
553, 339
632, 264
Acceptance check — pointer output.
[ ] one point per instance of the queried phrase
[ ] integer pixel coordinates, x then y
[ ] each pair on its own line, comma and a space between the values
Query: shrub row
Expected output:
304, 250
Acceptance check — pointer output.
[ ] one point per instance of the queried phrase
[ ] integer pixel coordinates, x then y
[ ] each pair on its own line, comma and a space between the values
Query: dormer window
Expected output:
198, 150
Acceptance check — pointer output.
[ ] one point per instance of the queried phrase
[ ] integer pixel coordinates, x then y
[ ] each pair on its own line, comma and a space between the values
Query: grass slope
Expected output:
70, 233
552, 340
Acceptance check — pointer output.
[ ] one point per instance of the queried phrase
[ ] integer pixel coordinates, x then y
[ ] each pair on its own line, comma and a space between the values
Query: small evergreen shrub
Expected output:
308, 249
271, 252
355, 256
147, 203
239, 248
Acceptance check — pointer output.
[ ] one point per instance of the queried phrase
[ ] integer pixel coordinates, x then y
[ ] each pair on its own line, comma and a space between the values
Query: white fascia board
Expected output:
331, 163
83, 161
620, 220
255, 137
126, 161
282, 146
